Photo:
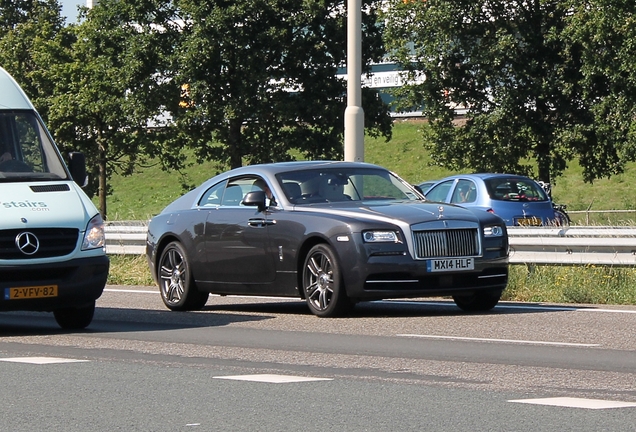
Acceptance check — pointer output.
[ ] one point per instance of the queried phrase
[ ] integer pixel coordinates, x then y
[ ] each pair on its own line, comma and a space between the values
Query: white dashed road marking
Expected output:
570, 402
41, 360
268, 378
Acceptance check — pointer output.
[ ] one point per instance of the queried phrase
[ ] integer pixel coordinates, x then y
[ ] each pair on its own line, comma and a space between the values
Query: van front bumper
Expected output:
78, 282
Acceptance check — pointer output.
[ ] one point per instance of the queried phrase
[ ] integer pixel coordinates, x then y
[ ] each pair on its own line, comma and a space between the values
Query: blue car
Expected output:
518, 200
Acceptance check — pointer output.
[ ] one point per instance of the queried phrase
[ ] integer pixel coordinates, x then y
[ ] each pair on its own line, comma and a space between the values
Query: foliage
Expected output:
108, 89
602, 33
519, 70
129, 270
31, 33
572, 284
259, 79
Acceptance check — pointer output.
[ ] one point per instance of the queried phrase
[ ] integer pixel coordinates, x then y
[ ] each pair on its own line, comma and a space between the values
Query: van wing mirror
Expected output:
77, 166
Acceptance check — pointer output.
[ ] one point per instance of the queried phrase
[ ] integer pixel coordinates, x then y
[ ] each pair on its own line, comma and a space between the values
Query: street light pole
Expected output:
354, 114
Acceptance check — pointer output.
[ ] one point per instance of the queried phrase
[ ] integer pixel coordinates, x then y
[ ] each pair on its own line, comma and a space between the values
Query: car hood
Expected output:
408, 211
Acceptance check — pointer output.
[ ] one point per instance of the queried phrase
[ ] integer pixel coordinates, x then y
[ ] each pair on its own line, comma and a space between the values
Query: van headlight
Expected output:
94, 236
493, 231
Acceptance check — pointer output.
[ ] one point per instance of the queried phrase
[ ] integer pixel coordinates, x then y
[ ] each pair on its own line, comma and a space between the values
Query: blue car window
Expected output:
465, 192
440, 192
515, 189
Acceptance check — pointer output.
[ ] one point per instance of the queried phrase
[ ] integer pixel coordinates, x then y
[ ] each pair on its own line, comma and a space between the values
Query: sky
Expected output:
69, 9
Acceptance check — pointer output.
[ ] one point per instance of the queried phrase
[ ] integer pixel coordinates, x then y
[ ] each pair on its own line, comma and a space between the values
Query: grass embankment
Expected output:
150, 189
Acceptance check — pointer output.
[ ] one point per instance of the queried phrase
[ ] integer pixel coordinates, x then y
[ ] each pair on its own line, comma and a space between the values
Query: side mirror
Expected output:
77, 167
255, 199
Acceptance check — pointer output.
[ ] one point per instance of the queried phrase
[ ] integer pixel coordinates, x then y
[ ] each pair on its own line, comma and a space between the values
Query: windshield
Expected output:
344, 184
26, 151
514, 189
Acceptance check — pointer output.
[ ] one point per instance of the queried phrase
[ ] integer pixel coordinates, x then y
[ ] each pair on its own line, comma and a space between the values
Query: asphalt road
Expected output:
268, 364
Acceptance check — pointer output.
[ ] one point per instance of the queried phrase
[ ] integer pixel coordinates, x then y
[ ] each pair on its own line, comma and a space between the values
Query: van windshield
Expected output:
26, 150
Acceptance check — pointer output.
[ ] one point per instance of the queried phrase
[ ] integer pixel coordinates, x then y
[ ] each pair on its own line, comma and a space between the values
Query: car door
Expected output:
237, 241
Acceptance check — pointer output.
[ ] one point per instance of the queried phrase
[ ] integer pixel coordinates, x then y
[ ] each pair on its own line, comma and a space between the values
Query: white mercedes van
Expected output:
52, 243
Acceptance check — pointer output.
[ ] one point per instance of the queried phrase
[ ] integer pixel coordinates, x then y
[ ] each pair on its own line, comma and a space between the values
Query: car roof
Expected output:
483, 176
276, 167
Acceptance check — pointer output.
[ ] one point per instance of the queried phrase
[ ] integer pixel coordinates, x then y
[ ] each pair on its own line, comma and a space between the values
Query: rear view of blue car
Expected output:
519, 200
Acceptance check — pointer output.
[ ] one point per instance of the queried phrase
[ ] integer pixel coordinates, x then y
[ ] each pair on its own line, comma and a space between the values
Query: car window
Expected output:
346, 184
515, 189
212, 197
235, 191
440, 192
465, 192
237, 188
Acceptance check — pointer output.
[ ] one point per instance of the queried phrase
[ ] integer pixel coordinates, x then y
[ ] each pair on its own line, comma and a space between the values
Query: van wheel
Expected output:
178, 290
75, 318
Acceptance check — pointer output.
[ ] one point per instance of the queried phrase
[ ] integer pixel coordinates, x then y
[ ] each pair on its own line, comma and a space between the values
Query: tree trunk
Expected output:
544, 161
235, 144
102, 180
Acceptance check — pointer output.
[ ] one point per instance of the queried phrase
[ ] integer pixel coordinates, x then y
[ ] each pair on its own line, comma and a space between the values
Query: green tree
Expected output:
109, 95
259, 79
31, 36
603, 34
521, 78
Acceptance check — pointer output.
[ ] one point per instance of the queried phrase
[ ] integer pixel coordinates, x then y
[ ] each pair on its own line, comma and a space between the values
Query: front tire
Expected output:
75, 318
480, 301
178, 290
322, 283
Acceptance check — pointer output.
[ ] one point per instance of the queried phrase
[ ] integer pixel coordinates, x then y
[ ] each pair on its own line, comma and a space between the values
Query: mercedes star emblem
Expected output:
27, 242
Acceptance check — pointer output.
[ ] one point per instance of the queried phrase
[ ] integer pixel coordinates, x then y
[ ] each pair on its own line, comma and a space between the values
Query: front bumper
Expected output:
79, 282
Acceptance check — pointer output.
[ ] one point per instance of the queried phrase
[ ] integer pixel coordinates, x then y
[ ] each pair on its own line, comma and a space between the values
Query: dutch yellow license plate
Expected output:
531, 221
31, 292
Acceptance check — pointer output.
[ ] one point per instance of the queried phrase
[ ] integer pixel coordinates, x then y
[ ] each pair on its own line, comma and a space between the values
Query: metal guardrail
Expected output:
613, 246
126, 238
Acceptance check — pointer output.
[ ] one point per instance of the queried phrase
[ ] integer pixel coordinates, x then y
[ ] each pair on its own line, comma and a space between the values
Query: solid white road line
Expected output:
41, 360
526, 342
501, 305
570, 402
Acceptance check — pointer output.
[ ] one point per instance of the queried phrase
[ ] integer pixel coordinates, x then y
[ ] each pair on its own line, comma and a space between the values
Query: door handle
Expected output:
260, 222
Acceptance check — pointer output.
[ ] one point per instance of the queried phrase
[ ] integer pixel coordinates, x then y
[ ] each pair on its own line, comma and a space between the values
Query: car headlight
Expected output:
94, 236
493, 231
380, 237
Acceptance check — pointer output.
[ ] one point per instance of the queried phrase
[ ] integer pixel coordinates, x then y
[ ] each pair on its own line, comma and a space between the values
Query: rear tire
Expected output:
75, 318
178, 290
561, 218
480, 301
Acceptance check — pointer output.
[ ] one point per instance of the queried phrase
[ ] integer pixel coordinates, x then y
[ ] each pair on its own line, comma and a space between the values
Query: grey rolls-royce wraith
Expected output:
332, 233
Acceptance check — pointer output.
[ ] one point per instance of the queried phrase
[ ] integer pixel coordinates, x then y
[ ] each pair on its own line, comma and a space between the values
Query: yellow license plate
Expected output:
30, 292
532, 221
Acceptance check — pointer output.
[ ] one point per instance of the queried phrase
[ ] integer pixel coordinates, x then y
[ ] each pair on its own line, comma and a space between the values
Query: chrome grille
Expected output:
446, 243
